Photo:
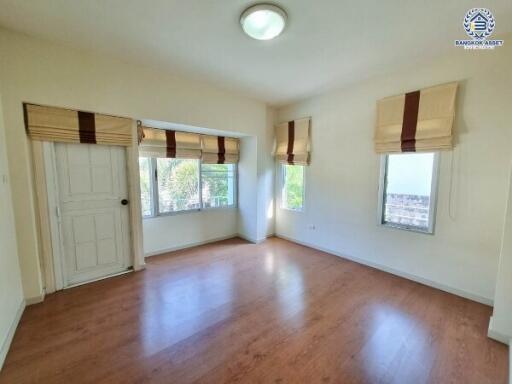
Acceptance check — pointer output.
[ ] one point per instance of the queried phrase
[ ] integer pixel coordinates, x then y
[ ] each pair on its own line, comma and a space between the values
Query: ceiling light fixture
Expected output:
263, 21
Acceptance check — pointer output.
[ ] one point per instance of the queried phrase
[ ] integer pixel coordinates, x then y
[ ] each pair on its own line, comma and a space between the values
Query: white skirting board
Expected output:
198, 243
253, 240
496, 335
12, 329
189, 245
418, 279
35, 299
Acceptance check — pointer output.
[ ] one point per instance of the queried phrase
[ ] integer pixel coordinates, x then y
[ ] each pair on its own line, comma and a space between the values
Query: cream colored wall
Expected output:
11, 293
501, 324
266, 177
342, 181
36, 71
166, 233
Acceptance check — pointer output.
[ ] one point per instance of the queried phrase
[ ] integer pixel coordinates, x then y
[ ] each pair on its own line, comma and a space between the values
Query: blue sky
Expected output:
410, 173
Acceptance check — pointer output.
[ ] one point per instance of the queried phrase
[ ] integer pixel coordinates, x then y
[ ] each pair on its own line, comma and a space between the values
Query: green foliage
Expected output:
178, 184
145, 185
216, 179
294, 186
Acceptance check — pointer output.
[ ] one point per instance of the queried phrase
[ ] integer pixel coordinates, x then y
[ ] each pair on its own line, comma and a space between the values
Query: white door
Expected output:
94, 224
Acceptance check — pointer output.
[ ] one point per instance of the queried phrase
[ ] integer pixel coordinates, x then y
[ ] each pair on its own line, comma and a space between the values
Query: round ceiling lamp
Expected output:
263, 21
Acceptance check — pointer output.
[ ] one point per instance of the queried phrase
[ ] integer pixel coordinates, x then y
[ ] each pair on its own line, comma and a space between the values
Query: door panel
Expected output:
94, 224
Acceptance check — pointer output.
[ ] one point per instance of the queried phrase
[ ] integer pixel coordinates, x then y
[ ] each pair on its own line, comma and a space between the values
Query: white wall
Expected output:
247, 189
36, 71
166, 233
342, 181
501, 324
266, 180
11, 293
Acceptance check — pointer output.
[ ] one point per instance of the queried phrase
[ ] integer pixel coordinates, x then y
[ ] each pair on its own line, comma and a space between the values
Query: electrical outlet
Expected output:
312, 227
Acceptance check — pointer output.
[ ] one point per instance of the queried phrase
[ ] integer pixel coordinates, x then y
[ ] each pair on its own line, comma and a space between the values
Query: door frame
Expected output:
50, 245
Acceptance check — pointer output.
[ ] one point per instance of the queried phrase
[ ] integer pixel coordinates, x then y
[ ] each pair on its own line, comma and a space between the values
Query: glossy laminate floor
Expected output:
233, 312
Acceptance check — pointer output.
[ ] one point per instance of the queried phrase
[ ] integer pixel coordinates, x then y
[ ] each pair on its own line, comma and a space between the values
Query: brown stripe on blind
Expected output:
222, 149
140, 132
170, 137
410, 121
291, 139
86, 127
25, 117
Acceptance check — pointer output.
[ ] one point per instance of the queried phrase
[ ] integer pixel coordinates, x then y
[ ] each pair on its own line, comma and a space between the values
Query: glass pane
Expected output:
408, 187
178, 184
145, 185
218, 183
293, 191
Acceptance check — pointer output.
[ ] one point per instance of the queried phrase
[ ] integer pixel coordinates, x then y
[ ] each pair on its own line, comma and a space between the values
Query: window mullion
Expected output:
154, 184
201, 206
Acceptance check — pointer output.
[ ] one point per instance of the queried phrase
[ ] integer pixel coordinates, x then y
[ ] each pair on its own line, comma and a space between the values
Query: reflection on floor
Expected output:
276, 312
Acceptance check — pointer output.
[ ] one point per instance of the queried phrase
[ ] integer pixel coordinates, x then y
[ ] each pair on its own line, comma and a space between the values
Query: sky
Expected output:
410, 173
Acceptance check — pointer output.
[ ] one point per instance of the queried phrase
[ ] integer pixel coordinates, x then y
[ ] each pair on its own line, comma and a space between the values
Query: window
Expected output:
293, 187
146, 193
218, 185
408, 191
177, 185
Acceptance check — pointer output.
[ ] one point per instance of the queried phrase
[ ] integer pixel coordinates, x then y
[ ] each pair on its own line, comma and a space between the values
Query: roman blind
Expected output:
69, 126
416, 121
293, 142
168, 143
220, 149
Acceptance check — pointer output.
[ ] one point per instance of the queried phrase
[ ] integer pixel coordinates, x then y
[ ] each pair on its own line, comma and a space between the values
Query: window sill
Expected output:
292, 210
189, 211
408, 228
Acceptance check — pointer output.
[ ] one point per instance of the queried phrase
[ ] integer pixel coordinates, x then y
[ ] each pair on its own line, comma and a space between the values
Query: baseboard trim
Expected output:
497, 335
405, 275
35, 299
10, 334
189, 245
254, 240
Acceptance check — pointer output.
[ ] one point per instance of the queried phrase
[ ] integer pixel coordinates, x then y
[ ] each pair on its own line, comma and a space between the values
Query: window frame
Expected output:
433, 198
283, 186
235, 191
151, 187
155, 205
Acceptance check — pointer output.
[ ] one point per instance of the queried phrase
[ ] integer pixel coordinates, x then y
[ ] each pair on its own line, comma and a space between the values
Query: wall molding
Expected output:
393, 271
253, 239
190, 245
10, 334
204, 242
497, 335
34, 299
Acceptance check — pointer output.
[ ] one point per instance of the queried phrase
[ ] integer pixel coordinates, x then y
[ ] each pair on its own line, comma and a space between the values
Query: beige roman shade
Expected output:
69, 126
416, 121
293, 142
167, 143
220, 149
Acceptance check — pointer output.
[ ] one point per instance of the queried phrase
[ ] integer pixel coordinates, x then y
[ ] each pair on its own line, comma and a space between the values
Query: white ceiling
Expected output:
327, 44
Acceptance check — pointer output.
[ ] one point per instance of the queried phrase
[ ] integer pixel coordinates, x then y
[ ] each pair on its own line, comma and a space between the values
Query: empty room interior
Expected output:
233, 191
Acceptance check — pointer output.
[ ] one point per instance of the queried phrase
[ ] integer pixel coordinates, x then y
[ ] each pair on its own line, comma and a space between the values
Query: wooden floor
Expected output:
271, 313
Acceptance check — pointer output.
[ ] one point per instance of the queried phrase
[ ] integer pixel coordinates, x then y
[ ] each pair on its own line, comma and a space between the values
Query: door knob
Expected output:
124, 202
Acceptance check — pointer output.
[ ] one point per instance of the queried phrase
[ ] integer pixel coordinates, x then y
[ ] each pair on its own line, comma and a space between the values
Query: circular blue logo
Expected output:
479, 23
